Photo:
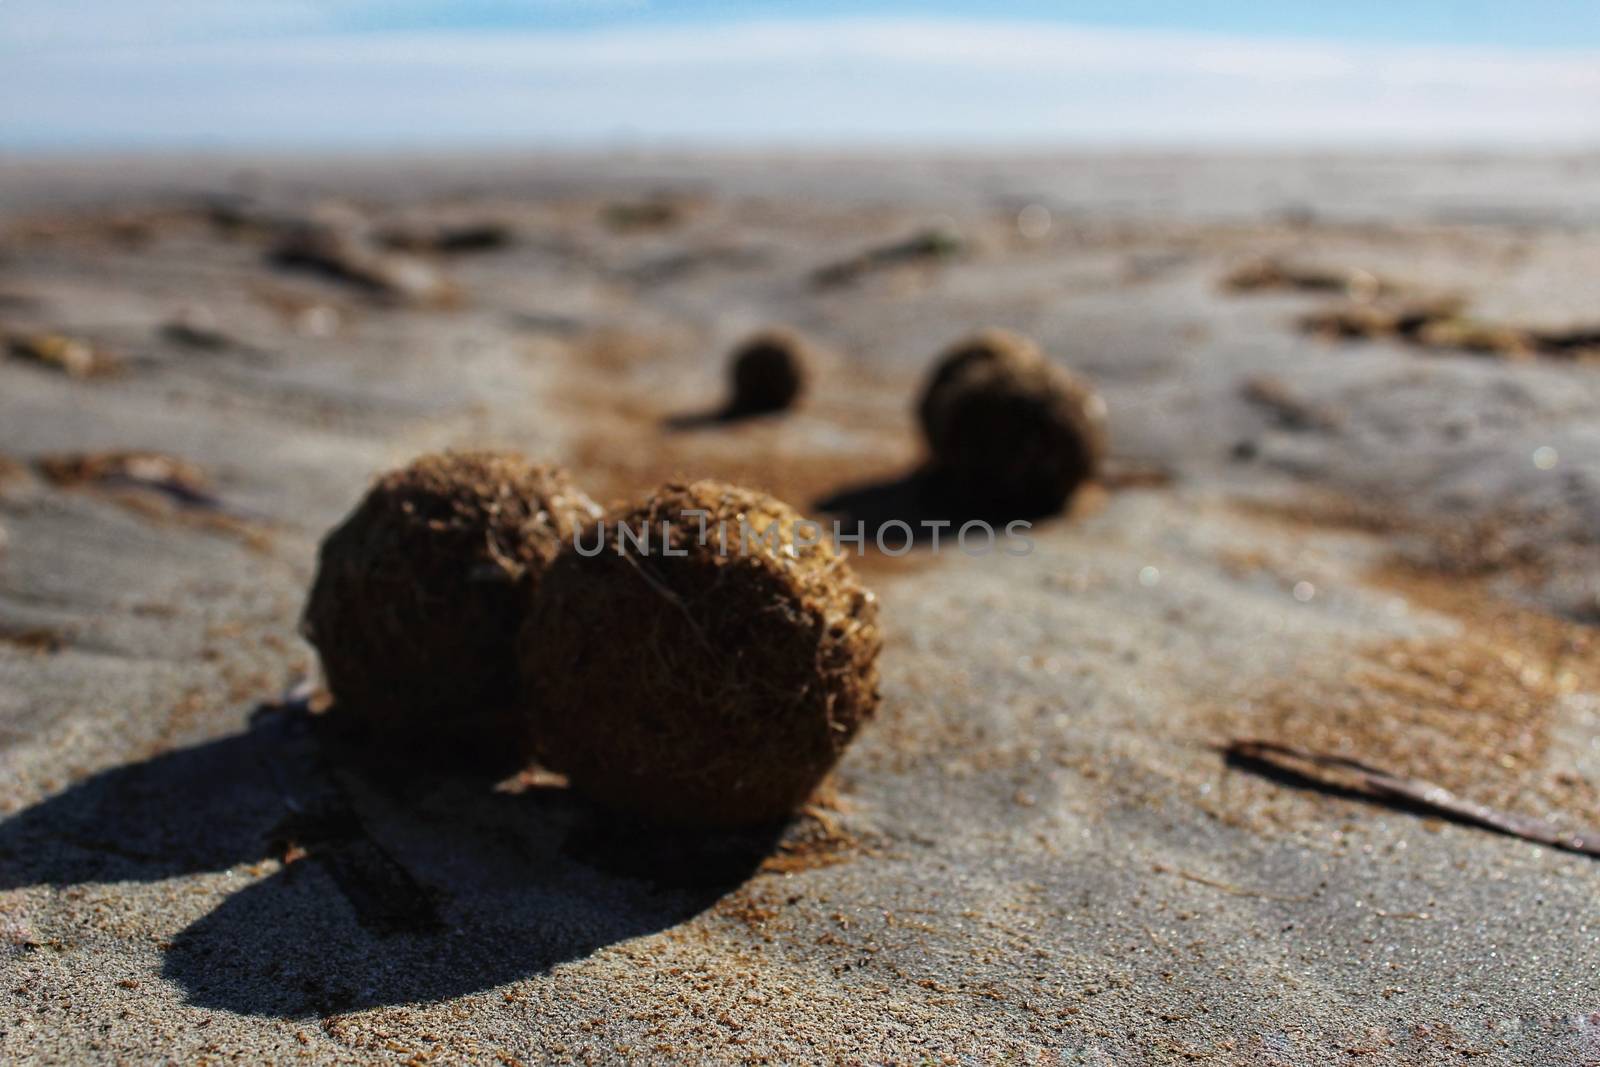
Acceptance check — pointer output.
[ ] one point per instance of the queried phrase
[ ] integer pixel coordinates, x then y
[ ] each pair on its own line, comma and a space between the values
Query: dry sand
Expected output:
1035, 853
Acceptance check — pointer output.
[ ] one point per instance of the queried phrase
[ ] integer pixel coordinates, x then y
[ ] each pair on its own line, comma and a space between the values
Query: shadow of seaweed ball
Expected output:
1011, 435
709, 681
768, 372
419, 596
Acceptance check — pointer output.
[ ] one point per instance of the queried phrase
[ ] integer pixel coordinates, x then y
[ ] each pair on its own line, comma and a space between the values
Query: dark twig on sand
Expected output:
1340, 773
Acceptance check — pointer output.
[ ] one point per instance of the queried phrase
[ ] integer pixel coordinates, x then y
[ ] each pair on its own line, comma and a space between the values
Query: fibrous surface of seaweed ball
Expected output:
709, 679
1010, 434
421, 591
768, 372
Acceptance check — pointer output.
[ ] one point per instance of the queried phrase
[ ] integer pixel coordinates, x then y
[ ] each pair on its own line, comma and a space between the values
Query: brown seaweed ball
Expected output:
1011, 434
420, 593
768, 372
993, 347
710, 677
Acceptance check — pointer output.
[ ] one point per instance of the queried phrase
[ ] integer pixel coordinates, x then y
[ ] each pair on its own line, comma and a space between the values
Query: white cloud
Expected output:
815, 80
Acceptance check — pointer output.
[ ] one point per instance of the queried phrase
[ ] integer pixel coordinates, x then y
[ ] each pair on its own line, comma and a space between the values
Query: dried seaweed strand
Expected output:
1228, 887
1306, 765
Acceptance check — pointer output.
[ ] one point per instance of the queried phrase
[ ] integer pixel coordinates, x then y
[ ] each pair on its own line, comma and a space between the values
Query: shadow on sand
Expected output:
920, 502
726, 415
393, 888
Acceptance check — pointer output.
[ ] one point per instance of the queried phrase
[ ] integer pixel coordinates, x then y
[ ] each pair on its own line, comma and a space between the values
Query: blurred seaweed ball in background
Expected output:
769, 372
1010, 434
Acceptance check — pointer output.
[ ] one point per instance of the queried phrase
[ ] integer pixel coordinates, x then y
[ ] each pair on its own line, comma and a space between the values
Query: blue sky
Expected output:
374, 74
1536, 23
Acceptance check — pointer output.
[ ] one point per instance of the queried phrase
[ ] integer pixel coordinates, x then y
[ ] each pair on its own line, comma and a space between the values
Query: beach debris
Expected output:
447, 238
1271, 273
259, 216
197, 328
1287, 407
934, 245
652, 213
39, 640
306, 314
1344, 775
178, 479
676, 265
72, 356
191, 334
346, 254
1480, 338
1228, 887
419, 595
1579, 342
237, 215
156, 486
300, 696
1009, 432
814, 839
1384, 319
1134, 474
768, 372
710, 674
1442, 325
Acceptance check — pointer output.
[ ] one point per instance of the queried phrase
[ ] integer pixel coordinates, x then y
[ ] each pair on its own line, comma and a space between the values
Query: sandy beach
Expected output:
1375, 541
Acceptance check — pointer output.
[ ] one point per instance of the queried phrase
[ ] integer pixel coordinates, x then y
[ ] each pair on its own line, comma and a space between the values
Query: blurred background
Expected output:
406, 74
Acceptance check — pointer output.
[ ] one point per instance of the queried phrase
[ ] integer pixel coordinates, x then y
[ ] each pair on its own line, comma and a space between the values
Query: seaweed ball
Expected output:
993, 347
419, 596
709, 677
1010, 434
768, 372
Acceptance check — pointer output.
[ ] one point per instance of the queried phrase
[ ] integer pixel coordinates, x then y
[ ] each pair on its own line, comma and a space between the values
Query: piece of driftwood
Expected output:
1342, 774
